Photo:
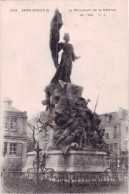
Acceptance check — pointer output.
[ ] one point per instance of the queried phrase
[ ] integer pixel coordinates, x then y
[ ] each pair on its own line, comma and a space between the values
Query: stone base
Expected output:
29, 163
77, 161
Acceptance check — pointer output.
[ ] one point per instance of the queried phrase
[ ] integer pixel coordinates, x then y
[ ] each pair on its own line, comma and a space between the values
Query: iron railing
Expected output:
50, 181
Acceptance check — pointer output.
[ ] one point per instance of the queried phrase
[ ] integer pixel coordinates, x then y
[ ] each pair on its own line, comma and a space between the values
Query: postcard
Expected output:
64, 85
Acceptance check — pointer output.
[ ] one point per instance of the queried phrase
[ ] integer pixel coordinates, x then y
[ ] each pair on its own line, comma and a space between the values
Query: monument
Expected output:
76, 143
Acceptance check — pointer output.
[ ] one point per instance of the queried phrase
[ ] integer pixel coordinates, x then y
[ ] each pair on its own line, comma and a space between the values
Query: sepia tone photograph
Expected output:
64, 96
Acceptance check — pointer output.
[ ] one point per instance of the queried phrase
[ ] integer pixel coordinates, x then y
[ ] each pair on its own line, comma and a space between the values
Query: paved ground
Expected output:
101, 190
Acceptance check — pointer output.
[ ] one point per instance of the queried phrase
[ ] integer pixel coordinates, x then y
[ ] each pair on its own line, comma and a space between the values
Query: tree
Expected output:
35, 126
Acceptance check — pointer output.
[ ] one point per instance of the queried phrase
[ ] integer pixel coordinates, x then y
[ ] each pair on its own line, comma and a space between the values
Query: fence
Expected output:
26, 182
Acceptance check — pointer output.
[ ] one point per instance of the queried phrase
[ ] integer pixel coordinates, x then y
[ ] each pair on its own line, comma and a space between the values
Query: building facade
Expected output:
116, 134
14, 137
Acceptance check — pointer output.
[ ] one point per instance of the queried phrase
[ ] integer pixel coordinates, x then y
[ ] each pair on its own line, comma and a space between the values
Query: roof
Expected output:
108, 113
10, 108
113, 119
7, 105
6, 99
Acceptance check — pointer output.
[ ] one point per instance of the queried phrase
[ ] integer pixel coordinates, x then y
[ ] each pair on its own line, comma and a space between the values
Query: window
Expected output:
115, 132
6, 122
107, 135
5, 148
126, 129
12, 149
13, 122
115, 146
126, 145
108, 117
111, 147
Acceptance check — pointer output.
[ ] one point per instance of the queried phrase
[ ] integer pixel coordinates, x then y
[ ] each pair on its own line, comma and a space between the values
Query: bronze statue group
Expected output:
75, 126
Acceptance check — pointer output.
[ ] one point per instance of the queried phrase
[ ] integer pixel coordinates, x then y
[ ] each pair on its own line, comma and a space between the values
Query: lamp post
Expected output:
37, 149
116, 159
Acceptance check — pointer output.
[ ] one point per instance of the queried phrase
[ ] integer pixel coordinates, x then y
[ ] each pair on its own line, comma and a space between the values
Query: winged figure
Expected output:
64, 68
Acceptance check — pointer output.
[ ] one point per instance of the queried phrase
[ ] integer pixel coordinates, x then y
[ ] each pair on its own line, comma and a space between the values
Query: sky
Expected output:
101, 41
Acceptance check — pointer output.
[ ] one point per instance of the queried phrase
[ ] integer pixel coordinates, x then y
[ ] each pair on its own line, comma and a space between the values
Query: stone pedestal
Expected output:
29, 163
76, 161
